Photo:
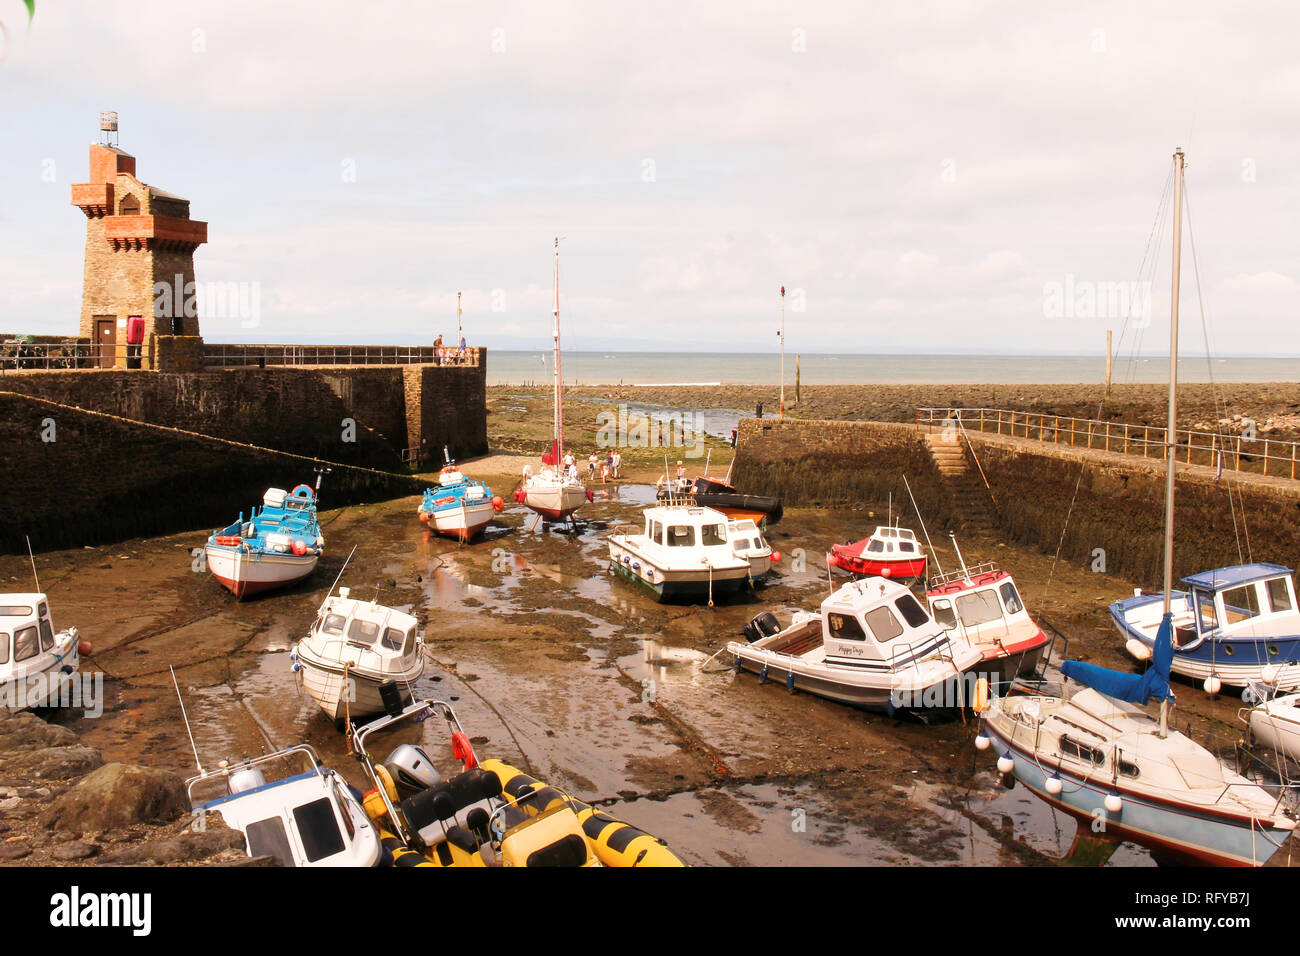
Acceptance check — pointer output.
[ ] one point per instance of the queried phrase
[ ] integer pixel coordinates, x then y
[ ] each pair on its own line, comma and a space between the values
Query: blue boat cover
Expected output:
1134, 688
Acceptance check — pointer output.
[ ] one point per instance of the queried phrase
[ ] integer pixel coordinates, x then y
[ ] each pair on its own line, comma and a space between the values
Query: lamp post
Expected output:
781, 335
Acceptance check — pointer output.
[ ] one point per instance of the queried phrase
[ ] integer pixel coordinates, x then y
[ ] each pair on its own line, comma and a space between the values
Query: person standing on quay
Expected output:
437, 350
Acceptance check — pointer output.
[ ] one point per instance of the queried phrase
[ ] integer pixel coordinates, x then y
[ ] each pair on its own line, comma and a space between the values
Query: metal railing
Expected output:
23, 356
243, 356
1232, 452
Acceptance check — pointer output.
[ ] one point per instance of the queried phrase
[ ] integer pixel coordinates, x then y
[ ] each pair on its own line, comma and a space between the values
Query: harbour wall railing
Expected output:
1243, 451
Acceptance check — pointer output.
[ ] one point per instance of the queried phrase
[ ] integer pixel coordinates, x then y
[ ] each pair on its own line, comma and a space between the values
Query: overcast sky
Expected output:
916, 174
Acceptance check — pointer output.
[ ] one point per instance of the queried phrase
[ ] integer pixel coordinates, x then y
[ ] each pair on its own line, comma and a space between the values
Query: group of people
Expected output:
444, 355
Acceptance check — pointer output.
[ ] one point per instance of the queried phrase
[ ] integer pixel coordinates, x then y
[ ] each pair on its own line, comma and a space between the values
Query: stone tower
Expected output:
137, 236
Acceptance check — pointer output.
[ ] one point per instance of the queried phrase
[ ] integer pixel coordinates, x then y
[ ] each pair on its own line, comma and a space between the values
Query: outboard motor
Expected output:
412, 770
763, 625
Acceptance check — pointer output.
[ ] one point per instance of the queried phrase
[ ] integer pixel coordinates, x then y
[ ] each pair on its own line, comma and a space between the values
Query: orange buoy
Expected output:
84, 647
981, 701
498, 504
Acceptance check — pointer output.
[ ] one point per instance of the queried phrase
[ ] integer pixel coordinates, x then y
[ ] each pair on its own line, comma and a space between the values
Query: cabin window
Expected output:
1208, 619
4, 647
1126, 768
393, 639
1279, 595
1080, 751
14, 610
657, 532
711, 534
1011, 599
26, 643
943, 613
912, 611
906, 547
1241, 604
267, 838
318, 829
884, 626
681, 536
363, 632
978, 607
845, 627
875, 547
333, 624
47, 633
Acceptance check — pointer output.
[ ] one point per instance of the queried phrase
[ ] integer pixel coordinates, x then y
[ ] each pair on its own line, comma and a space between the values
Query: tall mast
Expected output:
555, 335
1171, 432
782, 409
459, 333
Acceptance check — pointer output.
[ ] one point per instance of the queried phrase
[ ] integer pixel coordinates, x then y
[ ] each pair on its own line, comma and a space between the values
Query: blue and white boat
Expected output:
459, 507
1237, 625
276, 546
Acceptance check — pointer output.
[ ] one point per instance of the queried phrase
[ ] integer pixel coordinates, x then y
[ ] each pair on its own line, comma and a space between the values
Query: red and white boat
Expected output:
983, 605
890, 552
555, 492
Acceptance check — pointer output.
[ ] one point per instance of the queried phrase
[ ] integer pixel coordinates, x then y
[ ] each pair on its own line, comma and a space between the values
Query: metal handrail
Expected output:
224, 355
1271, 456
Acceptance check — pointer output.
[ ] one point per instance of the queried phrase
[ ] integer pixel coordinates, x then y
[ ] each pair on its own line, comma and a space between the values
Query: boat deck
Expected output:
804, 640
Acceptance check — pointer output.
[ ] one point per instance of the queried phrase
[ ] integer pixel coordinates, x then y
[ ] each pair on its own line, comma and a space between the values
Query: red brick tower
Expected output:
137, 237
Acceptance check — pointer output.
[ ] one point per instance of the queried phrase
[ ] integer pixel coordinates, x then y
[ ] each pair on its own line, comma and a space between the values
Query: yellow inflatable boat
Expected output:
488, 814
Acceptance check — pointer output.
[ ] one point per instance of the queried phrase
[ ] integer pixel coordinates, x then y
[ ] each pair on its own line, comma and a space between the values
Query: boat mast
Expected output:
555, 336
1171, 430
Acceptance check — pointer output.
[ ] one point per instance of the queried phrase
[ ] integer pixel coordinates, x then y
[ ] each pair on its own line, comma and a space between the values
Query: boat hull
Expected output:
243, 572
907, 569
1179, 833
326, 685
758, 507
462, 522
555, 503
672, 585
43, 681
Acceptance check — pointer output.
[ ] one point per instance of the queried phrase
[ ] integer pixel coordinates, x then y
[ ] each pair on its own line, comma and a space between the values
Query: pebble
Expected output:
75, 850
10, 803
14, 851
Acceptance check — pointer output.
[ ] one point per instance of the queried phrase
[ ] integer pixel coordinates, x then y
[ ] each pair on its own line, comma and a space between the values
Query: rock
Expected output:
58, 763
118, 795
250, 861
26, 731
14, 851
75, 850
185, 848
10, 803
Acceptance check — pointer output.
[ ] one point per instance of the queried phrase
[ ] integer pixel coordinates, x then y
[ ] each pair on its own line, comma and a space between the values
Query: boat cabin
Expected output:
981, 603
879, 623
27, 641
1247, 601
364, 634
289, 807
892, 542
678, 530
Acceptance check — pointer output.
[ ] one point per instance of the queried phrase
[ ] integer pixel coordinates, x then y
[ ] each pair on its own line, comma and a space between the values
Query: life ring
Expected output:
303, 488
443, 501
227, 540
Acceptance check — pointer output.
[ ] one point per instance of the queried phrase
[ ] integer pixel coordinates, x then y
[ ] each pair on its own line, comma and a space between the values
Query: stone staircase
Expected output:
974, 504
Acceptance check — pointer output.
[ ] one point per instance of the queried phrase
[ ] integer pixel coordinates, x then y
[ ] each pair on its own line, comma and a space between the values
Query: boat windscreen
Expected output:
393, 639
318, 829
26, 643
711, 534
978, 607
333, 624
884, 626
1011, 598
681, 535
912, 611
1279, 595
267, 838
363, 632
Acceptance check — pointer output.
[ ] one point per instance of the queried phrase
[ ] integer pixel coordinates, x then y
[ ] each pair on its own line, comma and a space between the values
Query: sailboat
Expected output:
1095, 755
555, 492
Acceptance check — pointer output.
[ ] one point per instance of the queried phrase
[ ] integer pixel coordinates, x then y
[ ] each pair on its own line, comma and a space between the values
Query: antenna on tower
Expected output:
107, 127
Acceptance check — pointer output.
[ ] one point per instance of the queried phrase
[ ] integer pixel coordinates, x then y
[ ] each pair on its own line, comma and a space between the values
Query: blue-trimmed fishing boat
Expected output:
279, 544
1237, 625
459, 507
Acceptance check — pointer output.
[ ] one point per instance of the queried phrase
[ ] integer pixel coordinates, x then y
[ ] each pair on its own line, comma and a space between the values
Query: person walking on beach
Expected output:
733, 438
591, 467
617, 465
604, 472
569, 467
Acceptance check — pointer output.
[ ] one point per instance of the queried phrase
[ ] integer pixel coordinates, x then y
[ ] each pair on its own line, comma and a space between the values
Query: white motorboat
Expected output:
1274, 722
983, 605
291, 808
353, 648
37, 663
871, 645
277, 546
747, 542
685, 551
